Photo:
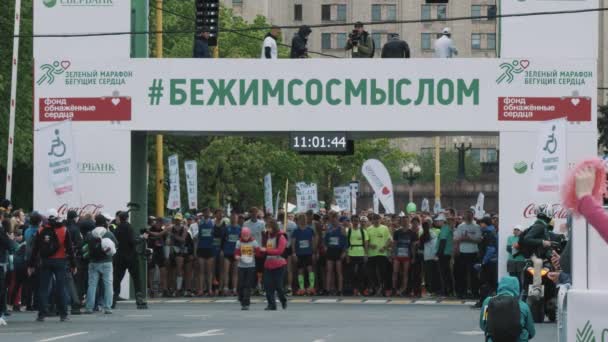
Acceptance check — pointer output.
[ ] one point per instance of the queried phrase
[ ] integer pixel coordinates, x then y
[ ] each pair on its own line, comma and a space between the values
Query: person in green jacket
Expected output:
510, 286
516, 260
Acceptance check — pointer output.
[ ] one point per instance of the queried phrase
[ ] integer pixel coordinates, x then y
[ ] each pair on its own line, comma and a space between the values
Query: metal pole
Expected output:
11, 124
437, 170
160, 165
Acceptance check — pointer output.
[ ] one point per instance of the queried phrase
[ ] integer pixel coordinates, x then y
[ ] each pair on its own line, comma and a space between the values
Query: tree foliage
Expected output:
22, 170
602, 126
449, 167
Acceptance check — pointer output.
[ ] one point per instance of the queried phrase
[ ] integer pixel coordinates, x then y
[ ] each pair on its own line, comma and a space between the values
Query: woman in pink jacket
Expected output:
587, 201
274, 267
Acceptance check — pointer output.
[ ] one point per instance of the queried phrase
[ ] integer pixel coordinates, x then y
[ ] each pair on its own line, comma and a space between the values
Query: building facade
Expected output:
473, 38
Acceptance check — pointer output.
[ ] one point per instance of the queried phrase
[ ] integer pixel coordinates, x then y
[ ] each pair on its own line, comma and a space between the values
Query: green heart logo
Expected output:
520, 167
49, 3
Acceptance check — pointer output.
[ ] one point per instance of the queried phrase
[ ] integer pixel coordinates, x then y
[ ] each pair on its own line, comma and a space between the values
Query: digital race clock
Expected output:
322, 142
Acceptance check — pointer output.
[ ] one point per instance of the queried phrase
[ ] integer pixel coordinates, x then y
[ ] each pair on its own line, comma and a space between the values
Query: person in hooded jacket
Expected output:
101, 265
488, 249
299, 41
274, 266
509, 286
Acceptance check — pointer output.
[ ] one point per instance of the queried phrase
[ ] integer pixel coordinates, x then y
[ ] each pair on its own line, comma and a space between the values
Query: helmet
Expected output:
544, 212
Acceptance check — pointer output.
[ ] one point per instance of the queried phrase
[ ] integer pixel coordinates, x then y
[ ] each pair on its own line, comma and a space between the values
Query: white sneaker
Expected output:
2, 322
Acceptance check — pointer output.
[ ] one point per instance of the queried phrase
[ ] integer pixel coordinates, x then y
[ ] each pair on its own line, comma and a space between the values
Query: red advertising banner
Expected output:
544, 108
85, 109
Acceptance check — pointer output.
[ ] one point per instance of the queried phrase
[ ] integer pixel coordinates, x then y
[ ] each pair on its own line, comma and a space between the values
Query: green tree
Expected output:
23, 169
449, 167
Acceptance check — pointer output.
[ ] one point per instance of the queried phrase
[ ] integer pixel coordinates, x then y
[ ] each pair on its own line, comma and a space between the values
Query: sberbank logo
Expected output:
78, 3
586, 334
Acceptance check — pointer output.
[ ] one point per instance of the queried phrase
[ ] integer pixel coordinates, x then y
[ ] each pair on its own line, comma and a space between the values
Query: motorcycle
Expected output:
541, 298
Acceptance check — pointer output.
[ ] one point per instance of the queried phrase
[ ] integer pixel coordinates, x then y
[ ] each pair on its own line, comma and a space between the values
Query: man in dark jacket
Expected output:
5, 247
76, 290
395, 48
54, 234
126, 259
299, 41
488, 249
201, 45
360, 42
537, 240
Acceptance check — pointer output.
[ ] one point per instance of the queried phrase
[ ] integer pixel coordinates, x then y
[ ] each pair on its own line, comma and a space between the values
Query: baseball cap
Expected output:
52, 213
363, 219
518, 227
446, 30
344, 219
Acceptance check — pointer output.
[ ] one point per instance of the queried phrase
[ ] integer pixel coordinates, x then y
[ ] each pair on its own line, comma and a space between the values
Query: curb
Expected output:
304, 300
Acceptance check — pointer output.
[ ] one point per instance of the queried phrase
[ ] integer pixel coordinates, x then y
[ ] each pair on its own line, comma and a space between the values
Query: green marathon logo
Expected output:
78, 3
520, 167
587, 334
49, 71
510, 69
49, 3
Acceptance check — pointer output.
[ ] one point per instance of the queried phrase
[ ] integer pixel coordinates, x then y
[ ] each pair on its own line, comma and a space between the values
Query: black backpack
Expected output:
522, 247
362, 238
49, 242
96, 251
503, 319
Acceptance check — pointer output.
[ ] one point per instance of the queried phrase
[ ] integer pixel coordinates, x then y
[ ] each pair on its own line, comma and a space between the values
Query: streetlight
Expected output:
411, 172
462, 148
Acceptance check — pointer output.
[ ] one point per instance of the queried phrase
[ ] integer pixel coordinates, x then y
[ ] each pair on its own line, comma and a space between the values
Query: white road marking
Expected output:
323, 339
425, 302
197, 316
137, 316
64, 336
375, 301
470, 333
470, 303
213, 332
226, 301
177, 301
325, 301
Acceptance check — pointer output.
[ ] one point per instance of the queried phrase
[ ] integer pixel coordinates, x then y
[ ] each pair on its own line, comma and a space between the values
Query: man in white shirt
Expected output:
467, 237
270, 49
444, 46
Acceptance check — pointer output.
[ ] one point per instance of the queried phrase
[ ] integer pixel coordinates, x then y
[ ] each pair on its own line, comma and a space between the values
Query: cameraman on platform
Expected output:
361, 42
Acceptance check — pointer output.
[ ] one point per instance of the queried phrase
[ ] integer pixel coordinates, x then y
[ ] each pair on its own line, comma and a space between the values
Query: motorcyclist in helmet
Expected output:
538, 239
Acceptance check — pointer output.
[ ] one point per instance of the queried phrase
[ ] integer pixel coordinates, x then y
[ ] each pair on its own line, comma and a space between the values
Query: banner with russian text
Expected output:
174, 201
191, 183
342, 196
62, 171
268, 194
307, 197
550, 164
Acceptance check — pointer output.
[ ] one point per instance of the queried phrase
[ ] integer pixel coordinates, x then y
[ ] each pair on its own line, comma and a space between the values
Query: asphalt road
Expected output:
219, 322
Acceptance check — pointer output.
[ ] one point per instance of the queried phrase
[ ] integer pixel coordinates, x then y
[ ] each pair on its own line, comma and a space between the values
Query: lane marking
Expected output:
63, 336
470, 303
138, 316
470, 333
226, 301
197, 316
425, 302
213, 332
375, 301
177, 301
325, 301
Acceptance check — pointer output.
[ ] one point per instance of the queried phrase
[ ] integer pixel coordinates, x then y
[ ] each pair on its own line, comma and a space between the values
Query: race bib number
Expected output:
403, 252
304, 244
334, 241
270, 244
233, 238
217, 242
247, 251
206, 232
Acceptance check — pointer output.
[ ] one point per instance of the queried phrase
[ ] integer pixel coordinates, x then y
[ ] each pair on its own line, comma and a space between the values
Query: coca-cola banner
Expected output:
518, 195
